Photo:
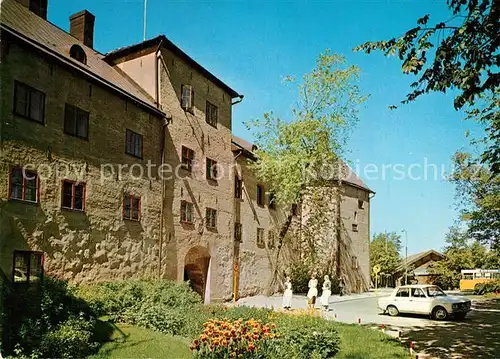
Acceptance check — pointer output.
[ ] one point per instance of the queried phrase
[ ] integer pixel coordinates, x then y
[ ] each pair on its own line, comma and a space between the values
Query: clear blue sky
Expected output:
251, 45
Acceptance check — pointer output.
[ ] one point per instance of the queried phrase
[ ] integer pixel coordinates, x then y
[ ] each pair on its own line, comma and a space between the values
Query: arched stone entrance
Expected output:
196, 269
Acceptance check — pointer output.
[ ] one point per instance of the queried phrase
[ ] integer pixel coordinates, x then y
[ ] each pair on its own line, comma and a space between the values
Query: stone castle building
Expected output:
124, 165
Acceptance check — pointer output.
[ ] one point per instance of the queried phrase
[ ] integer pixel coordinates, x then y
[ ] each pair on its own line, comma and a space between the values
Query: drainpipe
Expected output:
162, 154
235, 260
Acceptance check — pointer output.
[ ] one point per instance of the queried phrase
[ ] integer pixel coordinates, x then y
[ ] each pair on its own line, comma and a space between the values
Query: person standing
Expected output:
287, 294
327, 292
313, 292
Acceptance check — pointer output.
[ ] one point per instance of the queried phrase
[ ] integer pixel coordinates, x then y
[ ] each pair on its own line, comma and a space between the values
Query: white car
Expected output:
424, 299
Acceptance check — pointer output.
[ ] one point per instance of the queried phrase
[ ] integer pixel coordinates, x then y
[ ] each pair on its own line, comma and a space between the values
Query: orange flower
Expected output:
251, 347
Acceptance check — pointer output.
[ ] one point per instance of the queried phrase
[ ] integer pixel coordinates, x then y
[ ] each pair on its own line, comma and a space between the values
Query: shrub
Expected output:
307, 336
72, 339
115, 298
487, 287
161, 305
34, 311
156, 316
296, 336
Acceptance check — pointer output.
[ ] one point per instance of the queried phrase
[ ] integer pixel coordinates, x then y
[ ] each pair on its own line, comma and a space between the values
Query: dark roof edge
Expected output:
366, 189
87, 73
244, 151
128, 50
418, 256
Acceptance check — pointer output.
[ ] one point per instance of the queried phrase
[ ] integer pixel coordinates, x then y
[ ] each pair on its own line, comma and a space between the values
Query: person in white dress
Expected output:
313, 291
287, 295
327, 292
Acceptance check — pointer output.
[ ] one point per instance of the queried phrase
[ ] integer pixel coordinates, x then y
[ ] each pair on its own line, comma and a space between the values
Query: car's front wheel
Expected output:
440, 313
393, 311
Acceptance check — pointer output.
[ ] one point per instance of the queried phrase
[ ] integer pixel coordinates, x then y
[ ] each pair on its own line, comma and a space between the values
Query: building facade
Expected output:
124, 165
64, 119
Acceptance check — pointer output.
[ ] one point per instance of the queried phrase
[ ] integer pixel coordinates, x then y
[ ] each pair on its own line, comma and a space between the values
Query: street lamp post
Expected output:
406, 256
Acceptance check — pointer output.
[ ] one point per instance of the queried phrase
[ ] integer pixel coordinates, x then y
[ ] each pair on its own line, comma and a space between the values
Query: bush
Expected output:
487, 287
298, 337
162, 305
33, 312
157, 316
308, 337
114, 298
72, 339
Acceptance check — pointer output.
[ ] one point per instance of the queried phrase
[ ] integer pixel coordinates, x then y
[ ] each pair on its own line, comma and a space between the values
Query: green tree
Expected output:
478, 195
384, 251
462, 252
461, 53
289, 150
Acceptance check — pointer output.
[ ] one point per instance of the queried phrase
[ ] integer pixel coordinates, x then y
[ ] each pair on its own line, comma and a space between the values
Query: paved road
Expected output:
365, 309
476, 337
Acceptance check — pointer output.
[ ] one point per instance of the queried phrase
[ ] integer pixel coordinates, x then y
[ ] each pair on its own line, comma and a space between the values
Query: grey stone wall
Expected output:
96, 244
192, 130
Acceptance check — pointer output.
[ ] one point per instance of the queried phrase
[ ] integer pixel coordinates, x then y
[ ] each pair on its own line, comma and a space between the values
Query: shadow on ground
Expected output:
475, 337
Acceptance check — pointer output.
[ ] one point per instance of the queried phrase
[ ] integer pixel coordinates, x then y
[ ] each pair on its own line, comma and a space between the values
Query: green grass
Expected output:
358, 342
127, 341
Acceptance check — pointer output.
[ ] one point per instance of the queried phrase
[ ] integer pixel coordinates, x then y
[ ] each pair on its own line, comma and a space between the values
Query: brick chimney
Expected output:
82, 27
38, 7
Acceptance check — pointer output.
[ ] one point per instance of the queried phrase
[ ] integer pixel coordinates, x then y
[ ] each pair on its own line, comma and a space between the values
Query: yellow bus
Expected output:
471, 277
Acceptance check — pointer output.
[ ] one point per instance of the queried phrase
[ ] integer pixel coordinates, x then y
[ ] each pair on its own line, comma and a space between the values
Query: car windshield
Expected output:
435, 292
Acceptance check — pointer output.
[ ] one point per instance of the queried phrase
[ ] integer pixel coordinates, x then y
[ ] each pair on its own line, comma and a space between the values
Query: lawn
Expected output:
358, 342
127, 341
133, 342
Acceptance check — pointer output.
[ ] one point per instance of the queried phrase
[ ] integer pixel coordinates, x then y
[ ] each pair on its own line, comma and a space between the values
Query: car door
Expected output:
419, 302
402, 300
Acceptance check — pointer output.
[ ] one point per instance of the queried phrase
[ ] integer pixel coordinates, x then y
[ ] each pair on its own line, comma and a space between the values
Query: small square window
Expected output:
28, 267
76, 122
211, 169
187, 158
260, 238
73, 195
361, 204
24, 185
187, 98
211, 114
133, 144
238, 232
211, 218
29, 102
260, 195
186, 212
354, 227
131, 207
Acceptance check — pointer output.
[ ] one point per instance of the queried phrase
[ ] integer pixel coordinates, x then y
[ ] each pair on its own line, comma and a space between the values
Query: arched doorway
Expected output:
196, 269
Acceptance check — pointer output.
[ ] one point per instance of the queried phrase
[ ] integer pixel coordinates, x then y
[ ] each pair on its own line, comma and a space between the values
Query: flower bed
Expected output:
235, 339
